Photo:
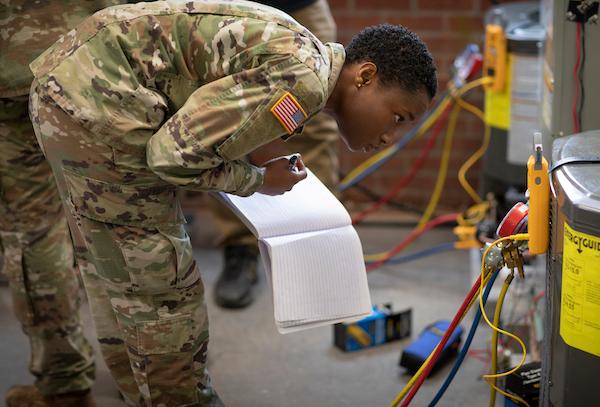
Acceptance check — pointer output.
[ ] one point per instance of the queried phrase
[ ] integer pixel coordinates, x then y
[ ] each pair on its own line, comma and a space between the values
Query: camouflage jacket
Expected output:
28, 27
191, 87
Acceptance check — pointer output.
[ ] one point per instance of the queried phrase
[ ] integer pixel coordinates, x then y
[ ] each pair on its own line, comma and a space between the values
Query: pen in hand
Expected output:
292, 162
281, 174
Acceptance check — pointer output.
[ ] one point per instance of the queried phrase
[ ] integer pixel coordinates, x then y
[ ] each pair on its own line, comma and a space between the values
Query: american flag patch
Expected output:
289, 112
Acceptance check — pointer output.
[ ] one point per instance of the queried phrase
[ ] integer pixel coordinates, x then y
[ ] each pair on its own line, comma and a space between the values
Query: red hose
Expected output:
412, 237
436, 354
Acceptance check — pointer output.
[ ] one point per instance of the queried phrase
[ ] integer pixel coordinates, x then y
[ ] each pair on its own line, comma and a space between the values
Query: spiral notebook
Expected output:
312, 255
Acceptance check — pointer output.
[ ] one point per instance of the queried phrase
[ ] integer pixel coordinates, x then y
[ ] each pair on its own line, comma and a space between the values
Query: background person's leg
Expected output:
38, 260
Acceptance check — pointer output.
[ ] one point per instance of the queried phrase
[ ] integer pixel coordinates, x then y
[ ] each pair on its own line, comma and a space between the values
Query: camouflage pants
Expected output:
318, 143
38, 258
143, 285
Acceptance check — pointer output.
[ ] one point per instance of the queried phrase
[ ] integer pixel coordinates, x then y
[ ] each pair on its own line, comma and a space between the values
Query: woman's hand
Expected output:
279, 177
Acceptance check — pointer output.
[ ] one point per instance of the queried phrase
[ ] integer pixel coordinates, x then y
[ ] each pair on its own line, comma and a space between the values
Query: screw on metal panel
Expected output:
583, 6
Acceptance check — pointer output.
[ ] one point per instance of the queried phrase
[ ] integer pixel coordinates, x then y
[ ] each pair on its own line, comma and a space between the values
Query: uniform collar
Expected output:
337, 56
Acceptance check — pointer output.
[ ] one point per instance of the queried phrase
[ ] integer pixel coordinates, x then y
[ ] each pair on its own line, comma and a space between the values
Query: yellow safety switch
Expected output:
495, 58
538, 184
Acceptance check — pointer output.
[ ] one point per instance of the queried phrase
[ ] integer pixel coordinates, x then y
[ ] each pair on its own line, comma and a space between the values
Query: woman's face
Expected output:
372, 115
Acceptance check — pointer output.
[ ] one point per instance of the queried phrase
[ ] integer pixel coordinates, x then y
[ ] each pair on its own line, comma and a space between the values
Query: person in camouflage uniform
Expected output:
318, 146
34, 239
141, 101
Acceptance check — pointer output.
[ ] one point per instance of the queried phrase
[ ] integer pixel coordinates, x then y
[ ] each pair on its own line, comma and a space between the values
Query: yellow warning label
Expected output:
580, 299
497, 104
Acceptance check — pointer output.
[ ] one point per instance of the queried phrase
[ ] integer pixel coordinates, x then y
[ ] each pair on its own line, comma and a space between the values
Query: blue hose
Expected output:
444, 247
465, 348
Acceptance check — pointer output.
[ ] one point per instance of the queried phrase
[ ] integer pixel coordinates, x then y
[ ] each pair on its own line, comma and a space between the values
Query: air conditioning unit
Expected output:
571, 351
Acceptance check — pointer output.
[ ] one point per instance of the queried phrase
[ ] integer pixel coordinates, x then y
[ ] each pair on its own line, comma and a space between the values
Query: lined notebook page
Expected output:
309, 206
318, 276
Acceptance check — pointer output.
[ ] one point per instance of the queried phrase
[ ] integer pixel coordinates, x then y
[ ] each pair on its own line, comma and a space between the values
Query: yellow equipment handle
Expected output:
538, 183
494, 57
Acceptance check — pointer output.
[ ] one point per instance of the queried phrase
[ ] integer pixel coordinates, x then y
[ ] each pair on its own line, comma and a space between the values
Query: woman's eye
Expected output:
398, 118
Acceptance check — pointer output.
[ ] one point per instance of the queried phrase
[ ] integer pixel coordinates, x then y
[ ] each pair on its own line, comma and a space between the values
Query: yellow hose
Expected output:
443, 170
494, 349
476, 155
494, 375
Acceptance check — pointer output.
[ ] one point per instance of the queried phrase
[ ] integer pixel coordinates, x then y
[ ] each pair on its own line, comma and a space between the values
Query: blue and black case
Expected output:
417, 352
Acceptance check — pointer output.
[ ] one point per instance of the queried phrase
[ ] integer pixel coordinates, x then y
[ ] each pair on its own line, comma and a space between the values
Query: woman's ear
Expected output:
365, 74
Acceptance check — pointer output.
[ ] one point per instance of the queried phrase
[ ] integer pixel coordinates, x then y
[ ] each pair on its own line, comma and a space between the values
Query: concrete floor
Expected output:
253, 365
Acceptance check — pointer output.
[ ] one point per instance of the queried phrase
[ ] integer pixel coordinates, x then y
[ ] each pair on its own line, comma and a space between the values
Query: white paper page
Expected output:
307, 207
318, 276
297, 325
286, 329
265, 255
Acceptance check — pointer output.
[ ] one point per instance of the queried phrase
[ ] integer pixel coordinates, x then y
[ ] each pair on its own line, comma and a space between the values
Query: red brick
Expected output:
417, 23
464, 144
353, 195
485, 5
339, 5
354, 23
466, 23
383, 4
447, 5
390, 179
344, 37
444, 43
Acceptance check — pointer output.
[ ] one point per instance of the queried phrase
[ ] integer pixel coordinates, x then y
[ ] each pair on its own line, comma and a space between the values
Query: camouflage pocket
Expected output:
165, 348
141, 206
140, 260
12, 244
158, 260
187, 272
131, 125
105, 253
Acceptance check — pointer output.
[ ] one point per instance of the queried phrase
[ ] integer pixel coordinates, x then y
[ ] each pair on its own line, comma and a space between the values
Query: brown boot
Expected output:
24, 396
30, 396
74, 399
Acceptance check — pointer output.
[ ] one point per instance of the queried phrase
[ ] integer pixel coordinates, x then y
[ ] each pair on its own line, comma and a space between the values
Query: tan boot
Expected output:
74, 399
30, 396
24, 396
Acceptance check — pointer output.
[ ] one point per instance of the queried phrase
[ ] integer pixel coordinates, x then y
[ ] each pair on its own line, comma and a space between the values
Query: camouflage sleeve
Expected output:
202, 146
176, 156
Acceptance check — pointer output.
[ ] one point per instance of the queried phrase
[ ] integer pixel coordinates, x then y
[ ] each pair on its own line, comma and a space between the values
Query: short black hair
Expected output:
400, 55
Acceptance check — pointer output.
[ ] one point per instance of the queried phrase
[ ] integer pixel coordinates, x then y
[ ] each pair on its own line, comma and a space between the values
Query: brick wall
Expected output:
446, 26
